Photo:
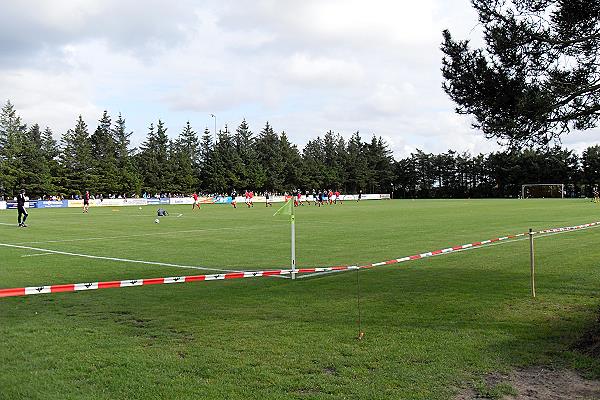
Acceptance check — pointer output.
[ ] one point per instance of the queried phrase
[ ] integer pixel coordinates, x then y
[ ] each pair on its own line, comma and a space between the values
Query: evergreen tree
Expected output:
185, 160
537, 76
50, 153
35, 169
128, 179
357, 165
12, 139
154, 157
291, 163
313, 166
270, 158
76, 160
104, 152
248, 169
590, 161
224, 157
205, 162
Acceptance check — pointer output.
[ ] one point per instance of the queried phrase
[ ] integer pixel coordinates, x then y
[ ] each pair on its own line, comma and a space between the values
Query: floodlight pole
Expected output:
215, 117
532, 262
293, 222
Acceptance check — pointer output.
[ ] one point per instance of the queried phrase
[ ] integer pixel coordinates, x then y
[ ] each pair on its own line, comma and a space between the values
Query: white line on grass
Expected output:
37, 254
116, 259
128, 236
170, 233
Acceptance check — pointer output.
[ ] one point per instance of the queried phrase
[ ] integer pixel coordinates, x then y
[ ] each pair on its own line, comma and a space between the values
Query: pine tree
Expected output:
313, 166
185, 160
357, 166
536, 77
291, 163
154, 158
270, 157
205, 162
12, 138
35, 169
247, 166
104, 153
128, 180
76, 159
50, 153
224, 157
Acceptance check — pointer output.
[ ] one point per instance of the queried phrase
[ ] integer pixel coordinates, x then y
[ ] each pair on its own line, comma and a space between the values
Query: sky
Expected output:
306, 67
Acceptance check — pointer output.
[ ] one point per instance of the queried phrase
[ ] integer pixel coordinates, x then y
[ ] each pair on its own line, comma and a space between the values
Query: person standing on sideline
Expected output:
86, 201
21, 208
359, 195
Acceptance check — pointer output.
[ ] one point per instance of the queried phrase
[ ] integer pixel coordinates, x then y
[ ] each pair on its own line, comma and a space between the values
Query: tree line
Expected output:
104, 162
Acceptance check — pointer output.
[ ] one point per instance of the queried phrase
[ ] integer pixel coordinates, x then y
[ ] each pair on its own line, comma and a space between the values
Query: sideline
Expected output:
126, 236
66, 253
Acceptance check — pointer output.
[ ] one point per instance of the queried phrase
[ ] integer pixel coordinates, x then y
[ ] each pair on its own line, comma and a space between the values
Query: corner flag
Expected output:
286, 209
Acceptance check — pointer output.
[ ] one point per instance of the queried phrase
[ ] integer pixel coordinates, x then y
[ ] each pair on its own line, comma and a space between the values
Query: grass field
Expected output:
430, 325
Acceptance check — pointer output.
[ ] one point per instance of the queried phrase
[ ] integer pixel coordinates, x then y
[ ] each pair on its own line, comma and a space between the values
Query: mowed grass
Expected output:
430, 325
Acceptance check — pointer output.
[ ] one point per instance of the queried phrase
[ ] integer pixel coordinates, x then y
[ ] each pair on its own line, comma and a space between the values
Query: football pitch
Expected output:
431, 325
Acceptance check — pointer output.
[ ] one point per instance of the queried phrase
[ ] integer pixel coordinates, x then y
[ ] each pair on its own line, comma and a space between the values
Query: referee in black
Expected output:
21, 208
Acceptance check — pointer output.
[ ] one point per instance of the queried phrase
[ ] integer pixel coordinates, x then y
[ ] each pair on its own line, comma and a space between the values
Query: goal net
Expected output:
542, 190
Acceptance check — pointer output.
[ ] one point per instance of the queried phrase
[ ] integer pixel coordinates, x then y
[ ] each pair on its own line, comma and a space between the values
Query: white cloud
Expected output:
307, 67
321, 70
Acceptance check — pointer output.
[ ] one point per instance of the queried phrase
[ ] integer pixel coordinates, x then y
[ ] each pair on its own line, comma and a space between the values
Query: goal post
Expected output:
543, 190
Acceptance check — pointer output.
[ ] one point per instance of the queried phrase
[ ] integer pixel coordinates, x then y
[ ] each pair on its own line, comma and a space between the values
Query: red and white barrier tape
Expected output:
75, 287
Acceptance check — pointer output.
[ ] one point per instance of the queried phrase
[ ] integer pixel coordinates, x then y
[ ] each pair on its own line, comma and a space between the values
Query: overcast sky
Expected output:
305, 66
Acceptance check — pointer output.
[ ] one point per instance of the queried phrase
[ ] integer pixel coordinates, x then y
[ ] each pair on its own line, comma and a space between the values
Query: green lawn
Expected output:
430, 325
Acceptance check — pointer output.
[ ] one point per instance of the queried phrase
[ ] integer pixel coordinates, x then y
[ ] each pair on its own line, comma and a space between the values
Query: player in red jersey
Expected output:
196, 202
250, 199
86, 201
330, 196
337, 197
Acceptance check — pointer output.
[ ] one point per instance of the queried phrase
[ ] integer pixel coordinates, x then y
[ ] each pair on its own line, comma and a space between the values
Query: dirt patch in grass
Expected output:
589, 343
533, 383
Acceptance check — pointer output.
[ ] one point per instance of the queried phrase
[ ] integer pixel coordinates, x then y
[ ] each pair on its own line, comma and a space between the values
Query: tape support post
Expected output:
75, 287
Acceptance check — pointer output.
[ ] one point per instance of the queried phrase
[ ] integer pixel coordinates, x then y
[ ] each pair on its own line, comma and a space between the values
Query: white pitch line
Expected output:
116, 259
37, 254
5, 223
170, 233
128, 236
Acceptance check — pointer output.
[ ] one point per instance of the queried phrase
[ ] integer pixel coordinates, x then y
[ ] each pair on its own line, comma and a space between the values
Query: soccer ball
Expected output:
156, 221
140, 208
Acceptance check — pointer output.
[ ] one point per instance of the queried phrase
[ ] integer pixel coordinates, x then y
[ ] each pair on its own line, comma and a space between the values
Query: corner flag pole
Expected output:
293, 222
532, 262
288, 209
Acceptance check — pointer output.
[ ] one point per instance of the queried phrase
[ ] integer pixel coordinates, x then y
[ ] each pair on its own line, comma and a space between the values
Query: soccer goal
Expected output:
542, 190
